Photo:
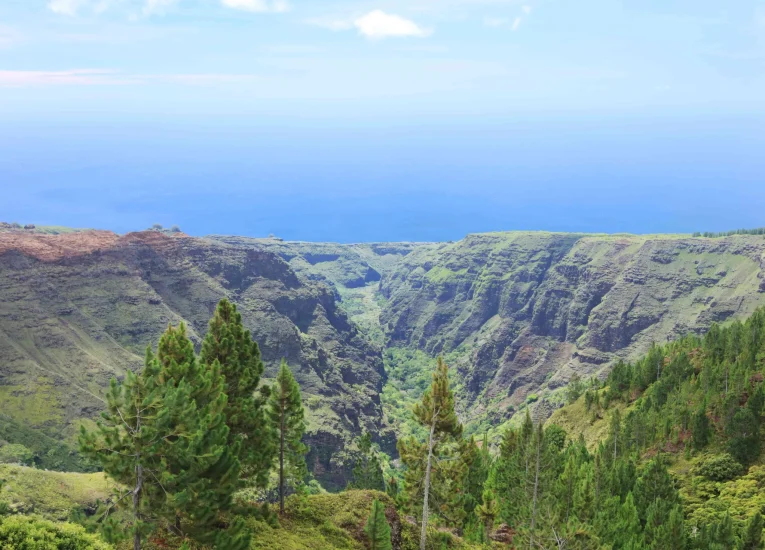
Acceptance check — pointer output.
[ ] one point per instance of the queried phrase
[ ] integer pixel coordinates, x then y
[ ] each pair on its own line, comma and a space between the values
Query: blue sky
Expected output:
382, 120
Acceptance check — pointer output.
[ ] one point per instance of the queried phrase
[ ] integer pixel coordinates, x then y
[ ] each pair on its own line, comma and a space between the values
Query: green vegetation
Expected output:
285, 410
229, 348
51, 494
757, 231
29, 533
367, 473
198, 450
13, 453
377, 528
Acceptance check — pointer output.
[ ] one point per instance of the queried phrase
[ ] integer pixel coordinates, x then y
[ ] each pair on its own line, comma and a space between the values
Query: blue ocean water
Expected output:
387, 180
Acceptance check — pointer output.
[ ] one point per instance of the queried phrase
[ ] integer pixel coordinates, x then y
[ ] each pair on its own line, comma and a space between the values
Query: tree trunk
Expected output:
536, 489
424, 533
137, 504
281, 458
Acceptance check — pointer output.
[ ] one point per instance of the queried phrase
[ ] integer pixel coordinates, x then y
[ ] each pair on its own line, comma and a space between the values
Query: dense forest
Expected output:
204, 455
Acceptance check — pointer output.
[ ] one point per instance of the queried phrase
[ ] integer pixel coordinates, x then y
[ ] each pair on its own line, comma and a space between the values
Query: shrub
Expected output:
720, 468
13, 453
30, 533
532, 397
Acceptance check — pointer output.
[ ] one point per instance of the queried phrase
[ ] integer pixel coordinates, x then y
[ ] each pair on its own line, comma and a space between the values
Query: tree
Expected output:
286, 414
367, 473
128, 439
753, 533
163, 438
229, 345
436, 412
377, 528
743, 430
202, 472
700, 428
487, 511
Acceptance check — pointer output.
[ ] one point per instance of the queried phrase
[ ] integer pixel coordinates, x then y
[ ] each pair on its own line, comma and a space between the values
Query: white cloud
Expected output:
378, 24
258, 6
517, 23
66, 7
526, 10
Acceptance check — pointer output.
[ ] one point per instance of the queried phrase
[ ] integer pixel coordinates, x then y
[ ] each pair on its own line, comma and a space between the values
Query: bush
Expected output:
13, 453
720, 468
30, 533
532, 397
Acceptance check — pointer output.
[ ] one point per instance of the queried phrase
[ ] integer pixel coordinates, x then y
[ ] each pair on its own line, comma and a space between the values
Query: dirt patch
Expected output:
51, 248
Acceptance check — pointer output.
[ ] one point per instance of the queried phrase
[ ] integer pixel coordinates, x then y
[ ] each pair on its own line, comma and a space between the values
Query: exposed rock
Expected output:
77, 309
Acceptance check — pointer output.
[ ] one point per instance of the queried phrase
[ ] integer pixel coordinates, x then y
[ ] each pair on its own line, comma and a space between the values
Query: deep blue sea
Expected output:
386, 180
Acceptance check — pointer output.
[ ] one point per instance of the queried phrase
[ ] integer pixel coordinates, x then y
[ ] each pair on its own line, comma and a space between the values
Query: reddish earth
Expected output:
51, 248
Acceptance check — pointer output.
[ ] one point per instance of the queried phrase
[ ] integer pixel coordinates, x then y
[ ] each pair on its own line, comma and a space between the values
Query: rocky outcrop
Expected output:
77, 309
524, 311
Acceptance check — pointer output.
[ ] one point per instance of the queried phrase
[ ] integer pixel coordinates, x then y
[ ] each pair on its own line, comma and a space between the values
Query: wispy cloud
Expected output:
109, 77
375, 25
378, 24
154, 7
137, 9
513, 22
258, 6
67, 7
86, 77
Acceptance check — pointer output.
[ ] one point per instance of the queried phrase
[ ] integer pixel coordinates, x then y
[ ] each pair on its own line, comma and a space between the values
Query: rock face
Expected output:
516, 313
77, 309
524, 311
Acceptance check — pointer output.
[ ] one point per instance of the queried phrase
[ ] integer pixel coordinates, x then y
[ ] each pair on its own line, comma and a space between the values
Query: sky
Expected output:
383, 120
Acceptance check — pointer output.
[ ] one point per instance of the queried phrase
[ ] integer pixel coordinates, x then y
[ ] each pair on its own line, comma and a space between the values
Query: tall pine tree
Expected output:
128, 443
377, 528
436, 413
202, 472
285, 411
228, 346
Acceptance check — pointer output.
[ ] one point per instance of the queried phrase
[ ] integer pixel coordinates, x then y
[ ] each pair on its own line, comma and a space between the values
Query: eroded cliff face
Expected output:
516, 313
76, 310
523, 312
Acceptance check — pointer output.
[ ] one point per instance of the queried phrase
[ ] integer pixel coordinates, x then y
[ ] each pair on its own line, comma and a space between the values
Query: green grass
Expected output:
52, 495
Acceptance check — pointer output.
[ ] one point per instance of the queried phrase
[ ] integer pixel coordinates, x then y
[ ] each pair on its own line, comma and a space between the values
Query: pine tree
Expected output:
487, 512
202, 472
127, 443
436, 413
752, 539
743, 430
285, 411
229, 347
377, 528
700, 427
367, 473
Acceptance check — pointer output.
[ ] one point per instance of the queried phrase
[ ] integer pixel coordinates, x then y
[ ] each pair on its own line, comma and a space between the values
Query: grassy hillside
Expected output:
317, 522
53, 495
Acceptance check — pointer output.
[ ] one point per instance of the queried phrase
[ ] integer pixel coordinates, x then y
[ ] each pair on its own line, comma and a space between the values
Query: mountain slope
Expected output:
524, 311
77, 309
516, 313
